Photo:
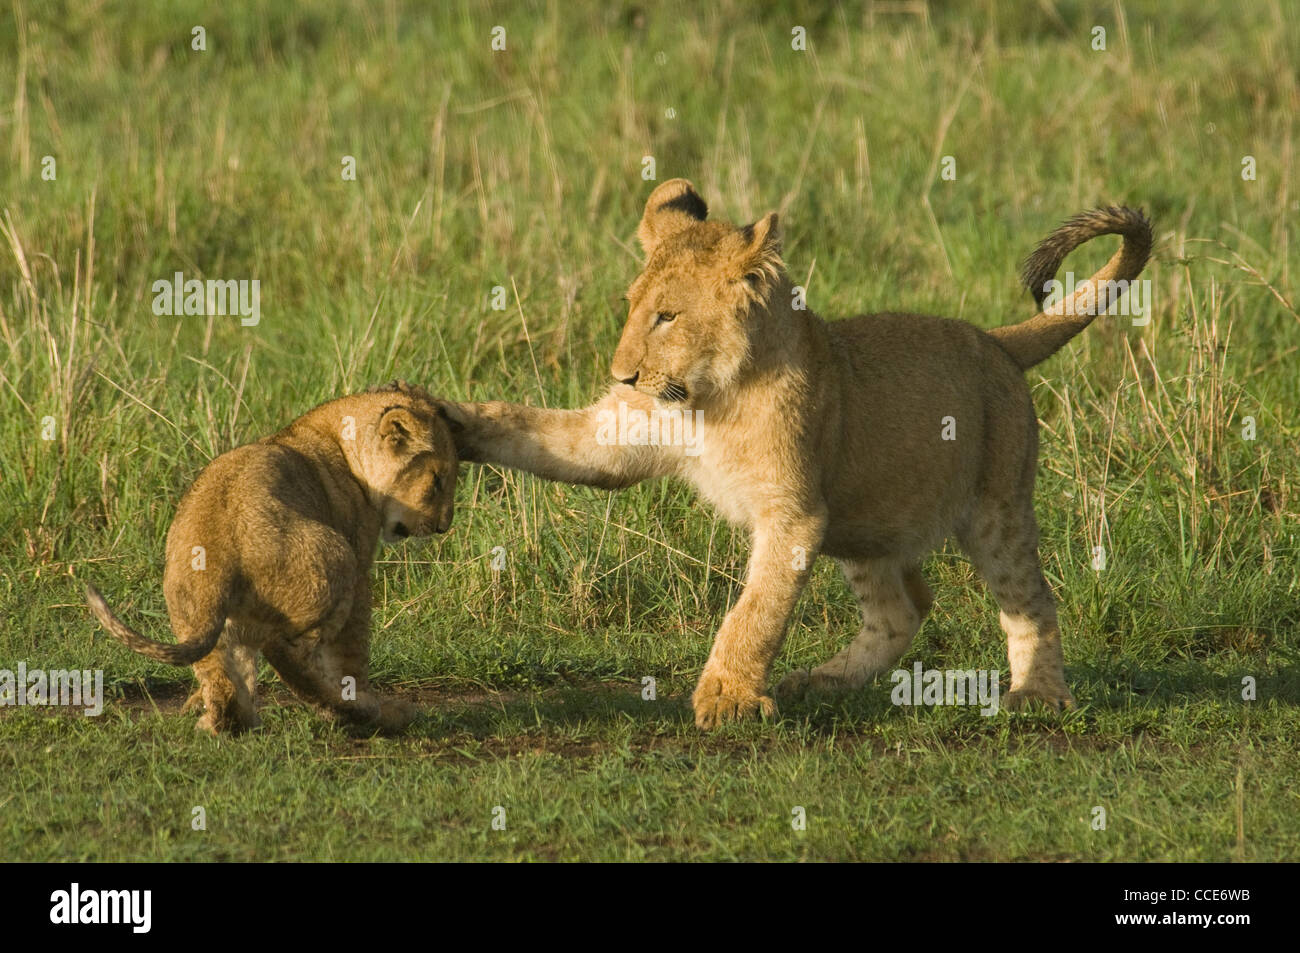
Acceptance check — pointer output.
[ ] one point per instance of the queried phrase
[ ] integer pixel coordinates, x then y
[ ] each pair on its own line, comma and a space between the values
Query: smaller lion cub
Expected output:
271, 549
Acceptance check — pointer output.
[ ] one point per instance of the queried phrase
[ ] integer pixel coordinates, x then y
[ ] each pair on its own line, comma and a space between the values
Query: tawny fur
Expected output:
288, 528
824, 438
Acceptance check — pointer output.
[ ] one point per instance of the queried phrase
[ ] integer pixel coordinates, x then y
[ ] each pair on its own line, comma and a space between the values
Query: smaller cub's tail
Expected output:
1033, 341
183, 653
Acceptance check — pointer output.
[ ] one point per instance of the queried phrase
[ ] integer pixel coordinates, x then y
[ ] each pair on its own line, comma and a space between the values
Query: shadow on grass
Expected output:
1123, 684
589, 717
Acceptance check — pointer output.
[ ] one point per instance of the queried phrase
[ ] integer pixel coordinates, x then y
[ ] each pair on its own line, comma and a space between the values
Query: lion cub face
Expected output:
410, 466
691, 312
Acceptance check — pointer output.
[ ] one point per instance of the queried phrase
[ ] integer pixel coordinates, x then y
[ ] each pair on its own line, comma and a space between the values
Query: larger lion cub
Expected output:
271, 549
870, 440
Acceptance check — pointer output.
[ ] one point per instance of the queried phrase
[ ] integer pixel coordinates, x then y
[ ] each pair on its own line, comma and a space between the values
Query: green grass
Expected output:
522, 169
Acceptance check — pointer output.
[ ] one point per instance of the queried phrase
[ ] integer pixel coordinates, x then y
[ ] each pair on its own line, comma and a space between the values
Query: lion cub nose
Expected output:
629, 381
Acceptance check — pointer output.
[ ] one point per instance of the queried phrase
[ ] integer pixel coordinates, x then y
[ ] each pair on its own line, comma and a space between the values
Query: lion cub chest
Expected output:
740, 472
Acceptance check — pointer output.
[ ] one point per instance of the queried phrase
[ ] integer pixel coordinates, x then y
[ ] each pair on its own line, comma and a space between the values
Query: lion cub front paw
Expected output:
808, 683
378, 714
395, 714
717, 700
794, 686
1052, 697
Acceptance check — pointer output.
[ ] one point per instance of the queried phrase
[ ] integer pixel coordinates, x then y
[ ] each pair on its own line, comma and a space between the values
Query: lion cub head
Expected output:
409, 462
698, 306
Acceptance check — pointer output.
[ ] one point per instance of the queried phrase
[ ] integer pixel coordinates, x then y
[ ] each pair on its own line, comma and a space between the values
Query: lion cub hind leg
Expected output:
227, 687
1003, 545
353, 655
312, 675
894, 599
321, 668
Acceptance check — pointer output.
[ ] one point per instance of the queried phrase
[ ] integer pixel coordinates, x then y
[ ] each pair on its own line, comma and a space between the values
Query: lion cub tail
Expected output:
1037, 339
183, 653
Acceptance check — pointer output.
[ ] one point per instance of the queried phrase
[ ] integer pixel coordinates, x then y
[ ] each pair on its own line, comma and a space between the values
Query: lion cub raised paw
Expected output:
271, 550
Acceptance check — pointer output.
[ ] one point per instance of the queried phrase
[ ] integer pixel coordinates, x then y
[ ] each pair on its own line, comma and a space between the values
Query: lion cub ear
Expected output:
670, 208
759, 260
396, 426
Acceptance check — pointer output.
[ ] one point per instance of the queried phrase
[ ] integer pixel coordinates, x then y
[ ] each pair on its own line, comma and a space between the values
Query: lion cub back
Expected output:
953, 411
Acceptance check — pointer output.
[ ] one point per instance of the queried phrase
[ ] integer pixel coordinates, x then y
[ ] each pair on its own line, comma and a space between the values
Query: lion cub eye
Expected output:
663, 317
